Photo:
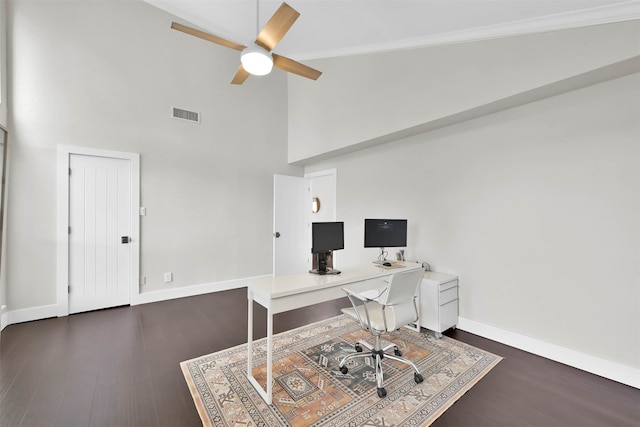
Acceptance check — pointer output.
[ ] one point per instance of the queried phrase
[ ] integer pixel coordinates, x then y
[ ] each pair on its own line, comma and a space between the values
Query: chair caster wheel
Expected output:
382, 392
397, 351
344, 370
358, 348
418, 378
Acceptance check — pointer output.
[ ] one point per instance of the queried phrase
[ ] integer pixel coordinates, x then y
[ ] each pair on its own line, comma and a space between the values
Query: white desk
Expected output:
284, 293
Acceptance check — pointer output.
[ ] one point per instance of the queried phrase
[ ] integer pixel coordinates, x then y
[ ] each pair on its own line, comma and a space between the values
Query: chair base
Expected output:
378, 353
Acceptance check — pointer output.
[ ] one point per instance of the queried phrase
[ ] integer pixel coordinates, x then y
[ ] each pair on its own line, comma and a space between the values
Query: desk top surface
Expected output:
293, 284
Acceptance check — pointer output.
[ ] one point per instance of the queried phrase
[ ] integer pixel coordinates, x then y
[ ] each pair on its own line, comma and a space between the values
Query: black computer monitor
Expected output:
325, 238
385, 233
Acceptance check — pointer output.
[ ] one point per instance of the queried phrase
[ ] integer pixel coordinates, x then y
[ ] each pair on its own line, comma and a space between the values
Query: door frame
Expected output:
62, 226
327, 172
311, 177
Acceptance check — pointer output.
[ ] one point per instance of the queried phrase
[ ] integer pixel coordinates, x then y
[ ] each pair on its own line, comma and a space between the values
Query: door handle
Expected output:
125, 239
276, 234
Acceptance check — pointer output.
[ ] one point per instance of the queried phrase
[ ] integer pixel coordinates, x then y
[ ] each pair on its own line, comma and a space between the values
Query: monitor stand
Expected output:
323, 268
382, 258
327, 271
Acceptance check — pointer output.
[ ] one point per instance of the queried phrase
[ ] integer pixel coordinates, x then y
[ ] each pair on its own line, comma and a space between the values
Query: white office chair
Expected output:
394, 308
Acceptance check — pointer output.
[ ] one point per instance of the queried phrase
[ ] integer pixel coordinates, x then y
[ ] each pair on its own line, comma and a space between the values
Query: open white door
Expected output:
291, 234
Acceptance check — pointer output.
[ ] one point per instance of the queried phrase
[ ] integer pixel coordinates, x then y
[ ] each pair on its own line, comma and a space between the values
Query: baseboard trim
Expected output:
604, 368
4, 320
47, 311
189, 291
29, 314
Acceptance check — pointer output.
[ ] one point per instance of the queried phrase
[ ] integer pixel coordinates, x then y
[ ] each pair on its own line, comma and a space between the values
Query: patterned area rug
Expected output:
310, 390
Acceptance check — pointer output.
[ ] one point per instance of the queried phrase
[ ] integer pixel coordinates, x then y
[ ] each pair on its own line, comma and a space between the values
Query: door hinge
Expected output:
69, 230
69, 171
68, 289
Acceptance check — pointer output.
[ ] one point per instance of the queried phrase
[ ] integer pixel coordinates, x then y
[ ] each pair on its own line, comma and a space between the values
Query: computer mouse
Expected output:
386, 264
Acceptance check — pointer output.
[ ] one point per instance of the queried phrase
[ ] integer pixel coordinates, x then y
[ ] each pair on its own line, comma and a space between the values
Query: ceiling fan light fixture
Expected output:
256, 60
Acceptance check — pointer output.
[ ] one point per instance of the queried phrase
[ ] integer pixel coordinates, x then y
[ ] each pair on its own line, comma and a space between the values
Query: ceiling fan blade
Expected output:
277, 27
207, 36
240, 77
295, 67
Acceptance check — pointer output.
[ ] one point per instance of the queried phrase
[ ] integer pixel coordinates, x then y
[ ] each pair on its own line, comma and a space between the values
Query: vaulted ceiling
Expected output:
328, 28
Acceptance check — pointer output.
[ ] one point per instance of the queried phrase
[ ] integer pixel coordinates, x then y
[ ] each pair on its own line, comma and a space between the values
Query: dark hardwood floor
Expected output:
120, 367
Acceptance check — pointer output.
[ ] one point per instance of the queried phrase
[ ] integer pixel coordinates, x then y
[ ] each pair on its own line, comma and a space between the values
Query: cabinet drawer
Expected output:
448, 295
448, 316
448, 285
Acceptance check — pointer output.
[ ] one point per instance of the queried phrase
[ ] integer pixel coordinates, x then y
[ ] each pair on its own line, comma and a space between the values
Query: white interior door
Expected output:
291, 233
100, 255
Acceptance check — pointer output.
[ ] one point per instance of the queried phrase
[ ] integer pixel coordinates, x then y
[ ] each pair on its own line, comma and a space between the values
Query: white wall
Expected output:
3, 125
537, 209
104, 74
3, 65
3, 232
362, 100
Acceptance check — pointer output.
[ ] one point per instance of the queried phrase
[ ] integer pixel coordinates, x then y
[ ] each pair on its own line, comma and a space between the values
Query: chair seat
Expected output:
375, 316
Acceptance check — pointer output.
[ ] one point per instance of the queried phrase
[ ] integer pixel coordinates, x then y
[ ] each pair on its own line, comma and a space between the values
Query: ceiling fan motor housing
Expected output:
256, 60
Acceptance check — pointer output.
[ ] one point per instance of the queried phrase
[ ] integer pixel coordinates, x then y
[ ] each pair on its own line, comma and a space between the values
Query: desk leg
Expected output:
250, 335
265, 395
269, 356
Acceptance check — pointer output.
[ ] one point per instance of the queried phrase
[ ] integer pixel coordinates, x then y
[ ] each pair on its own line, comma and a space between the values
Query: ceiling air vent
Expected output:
190, 116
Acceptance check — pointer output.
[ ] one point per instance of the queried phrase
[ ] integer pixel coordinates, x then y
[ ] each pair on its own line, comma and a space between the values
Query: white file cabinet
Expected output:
438, 302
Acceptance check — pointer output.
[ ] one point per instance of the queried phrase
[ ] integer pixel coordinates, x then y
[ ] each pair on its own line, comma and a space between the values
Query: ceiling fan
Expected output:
258, 59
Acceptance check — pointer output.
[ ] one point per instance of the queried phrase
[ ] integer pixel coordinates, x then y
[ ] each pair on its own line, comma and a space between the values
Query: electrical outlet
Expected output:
168, 277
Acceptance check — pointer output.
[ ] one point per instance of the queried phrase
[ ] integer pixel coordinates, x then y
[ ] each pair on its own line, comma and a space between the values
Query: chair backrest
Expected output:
402, 287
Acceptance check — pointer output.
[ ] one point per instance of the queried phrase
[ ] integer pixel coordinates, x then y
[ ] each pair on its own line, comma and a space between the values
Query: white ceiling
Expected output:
328, 28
